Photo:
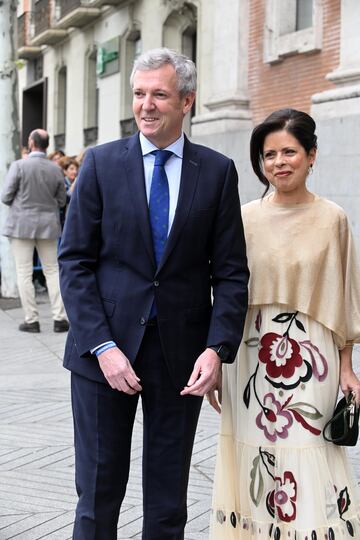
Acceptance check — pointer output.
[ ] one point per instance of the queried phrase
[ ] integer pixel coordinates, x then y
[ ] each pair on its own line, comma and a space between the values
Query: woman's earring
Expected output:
310, 169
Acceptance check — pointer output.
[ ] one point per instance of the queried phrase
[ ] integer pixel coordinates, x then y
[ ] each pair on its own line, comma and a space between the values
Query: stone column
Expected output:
9, 131
228, 107
345, 98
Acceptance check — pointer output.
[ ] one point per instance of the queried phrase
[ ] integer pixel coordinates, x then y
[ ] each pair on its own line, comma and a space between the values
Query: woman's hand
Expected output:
349, 382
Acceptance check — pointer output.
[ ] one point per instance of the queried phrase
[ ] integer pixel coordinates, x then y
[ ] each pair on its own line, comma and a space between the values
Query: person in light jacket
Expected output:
34, 190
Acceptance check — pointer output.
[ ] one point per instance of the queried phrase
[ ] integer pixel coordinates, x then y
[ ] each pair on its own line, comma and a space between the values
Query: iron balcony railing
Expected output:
43, 17
64, 7
25, 29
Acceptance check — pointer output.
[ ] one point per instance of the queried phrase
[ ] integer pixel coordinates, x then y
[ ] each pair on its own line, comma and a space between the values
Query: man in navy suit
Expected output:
154, 279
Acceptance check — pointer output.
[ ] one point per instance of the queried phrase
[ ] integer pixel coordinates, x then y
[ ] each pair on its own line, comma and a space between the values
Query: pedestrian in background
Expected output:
56, 155
70, 168
154, 226
276, 476
24, 152
34, 190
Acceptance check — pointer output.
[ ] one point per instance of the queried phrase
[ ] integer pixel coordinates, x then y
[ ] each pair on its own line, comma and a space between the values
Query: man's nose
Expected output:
148, 103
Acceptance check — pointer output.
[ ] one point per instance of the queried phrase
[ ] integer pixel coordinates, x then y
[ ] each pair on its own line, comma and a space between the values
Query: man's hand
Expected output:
214, 396
118, 371
205, 374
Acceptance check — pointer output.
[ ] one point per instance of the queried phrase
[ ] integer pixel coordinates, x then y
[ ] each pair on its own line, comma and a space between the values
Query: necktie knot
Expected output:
161, 157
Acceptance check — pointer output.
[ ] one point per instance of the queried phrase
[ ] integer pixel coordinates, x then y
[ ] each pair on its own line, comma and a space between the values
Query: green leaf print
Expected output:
257, 482
305, 409
252, 342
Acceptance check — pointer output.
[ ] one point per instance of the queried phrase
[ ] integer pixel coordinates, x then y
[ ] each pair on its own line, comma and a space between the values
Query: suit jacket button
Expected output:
156, 283
142, 321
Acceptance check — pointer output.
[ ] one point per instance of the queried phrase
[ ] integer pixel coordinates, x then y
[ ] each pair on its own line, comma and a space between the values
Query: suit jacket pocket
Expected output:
109, 307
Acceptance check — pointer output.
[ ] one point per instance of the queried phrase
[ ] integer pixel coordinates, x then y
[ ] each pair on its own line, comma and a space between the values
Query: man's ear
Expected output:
188, 102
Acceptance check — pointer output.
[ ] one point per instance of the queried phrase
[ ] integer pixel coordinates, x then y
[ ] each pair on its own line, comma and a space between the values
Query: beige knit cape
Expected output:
303, 256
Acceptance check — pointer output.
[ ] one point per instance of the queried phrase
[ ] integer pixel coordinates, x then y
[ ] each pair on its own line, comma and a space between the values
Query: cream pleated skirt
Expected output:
276, 477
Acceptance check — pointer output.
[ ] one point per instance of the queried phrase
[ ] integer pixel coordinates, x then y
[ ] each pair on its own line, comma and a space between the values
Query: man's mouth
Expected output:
149, 119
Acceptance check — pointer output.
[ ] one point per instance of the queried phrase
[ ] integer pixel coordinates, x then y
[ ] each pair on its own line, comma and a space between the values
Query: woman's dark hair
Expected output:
299, 124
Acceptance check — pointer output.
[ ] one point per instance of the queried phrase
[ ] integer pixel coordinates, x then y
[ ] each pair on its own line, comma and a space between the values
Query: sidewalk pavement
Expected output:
37, 494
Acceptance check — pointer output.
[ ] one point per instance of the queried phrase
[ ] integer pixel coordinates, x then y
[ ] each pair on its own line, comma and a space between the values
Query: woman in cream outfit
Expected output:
276, 477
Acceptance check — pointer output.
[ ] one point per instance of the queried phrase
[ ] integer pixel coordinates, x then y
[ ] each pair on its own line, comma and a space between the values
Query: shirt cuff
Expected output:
103, 347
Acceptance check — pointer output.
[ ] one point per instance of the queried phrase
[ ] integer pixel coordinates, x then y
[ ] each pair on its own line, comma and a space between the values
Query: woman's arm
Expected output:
348, 379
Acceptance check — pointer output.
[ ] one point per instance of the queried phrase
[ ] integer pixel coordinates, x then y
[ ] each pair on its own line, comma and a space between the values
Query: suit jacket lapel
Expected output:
189, 178
134, 166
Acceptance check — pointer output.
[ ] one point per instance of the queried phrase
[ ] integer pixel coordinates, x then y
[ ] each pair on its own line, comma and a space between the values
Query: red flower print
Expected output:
282, 500
281, 354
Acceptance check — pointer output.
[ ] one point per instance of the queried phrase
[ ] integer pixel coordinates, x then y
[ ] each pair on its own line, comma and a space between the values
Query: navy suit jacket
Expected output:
107, 268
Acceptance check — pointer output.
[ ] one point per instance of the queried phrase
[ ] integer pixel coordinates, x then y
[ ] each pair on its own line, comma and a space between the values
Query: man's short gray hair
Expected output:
156, 58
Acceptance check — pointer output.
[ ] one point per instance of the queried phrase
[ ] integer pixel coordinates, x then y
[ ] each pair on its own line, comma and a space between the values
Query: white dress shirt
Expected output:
172, 168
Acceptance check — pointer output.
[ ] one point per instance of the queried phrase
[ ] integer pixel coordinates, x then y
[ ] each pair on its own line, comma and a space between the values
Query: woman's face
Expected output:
71, 172
286, 163
56, 158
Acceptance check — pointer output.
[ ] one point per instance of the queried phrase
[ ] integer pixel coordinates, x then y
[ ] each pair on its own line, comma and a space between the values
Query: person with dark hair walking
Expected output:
34, 190
276, 476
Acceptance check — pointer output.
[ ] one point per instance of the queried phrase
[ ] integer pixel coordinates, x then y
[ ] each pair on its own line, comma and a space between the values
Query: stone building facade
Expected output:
253, 56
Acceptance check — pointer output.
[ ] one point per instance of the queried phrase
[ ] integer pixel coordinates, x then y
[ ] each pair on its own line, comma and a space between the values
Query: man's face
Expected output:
158, 108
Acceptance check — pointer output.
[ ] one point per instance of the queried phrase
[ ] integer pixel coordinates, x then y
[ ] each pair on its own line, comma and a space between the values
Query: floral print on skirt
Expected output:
276, 477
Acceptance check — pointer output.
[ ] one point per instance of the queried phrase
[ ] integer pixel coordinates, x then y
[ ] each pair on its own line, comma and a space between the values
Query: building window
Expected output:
137, 48
61, 108
131, 50
91, 101
292, 27
304, 14
189, 46
180, 33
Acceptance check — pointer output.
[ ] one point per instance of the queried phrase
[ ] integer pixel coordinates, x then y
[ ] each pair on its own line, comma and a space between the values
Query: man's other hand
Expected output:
118, 371
214, 396
205, 374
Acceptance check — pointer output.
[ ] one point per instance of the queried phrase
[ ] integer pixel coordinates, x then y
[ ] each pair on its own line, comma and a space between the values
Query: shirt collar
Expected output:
37, 154
176, 147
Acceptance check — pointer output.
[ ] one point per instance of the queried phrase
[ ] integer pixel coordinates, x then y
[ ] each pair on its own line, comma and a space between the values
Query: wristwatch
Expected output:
222, 351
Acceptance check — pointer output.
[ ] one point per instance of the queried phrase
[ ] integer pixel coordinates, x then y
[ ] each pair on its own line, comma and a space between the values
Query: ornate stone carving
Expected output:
181, 6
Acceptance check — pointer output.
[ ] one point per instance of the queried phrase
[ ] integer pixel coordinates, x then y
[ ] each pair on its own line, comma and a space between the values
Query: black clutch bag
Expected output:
343, 426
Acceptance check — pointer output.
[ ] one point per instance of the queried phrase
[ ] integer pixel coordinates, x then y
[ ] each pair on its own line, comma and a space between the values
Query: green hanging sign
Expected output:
107, 58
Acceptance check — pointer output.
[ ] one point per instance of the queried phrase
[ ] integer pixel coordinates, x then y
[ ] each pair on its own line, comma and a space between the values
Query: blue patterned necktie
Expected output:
159, 203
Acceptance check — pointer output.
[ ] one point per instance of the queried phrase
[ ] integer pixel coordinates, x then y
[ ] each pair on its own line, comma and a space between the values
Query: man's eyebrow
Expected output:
153, 90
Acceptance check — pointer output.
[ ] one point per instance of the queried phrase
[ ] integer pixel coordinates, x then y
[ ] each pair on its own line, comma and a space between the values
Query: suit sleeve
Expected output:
61, 192
11, 186
79, 258
229, 270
